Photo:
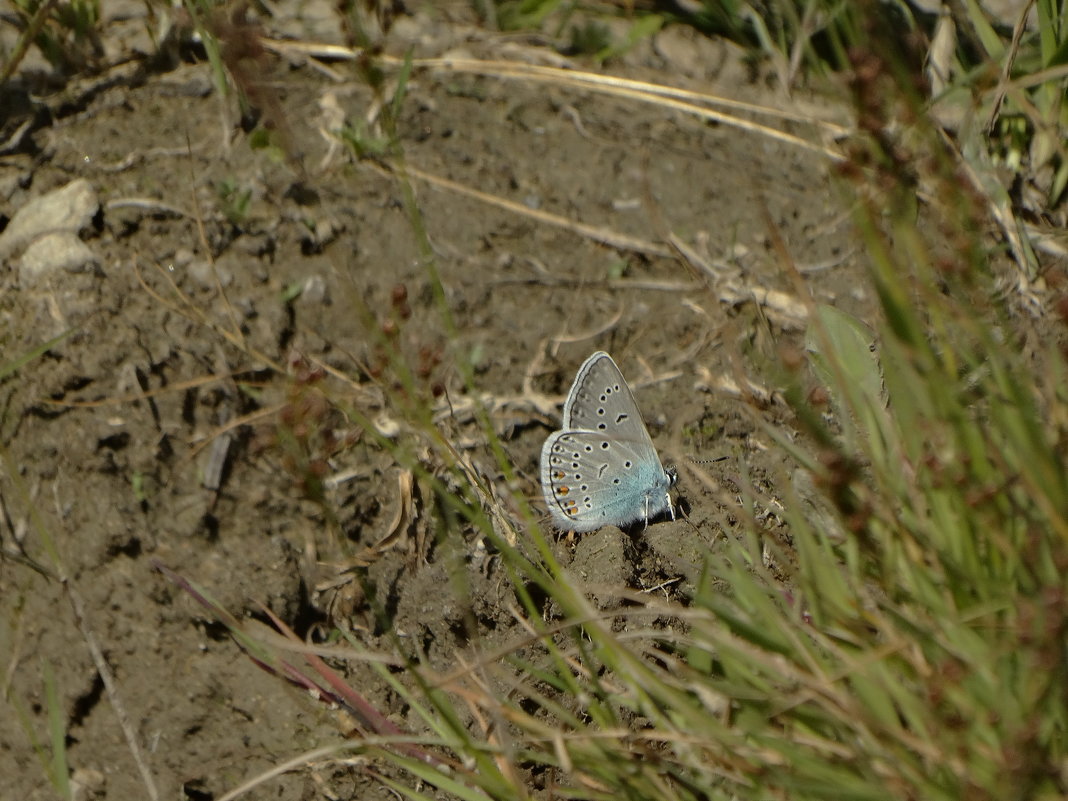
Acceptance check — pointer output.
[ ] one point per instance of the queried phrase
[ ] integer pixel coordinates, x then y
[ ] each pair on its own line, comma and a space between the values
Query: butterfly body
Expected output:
601, 468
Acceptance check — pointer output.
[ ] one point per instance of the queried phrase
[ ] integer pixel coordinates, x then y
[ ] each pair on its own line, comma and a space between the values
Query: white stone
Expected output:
60, 250
70, 208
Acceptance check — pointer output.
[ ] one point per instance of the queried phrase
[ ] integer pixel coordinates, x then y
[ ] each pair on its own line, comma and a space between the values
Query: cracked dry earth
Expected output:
215, 315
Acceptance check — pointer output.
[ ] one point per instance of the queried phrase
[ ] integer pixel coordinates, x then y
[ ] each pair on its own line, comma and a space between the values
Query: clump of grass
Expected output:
234, 200
67, 35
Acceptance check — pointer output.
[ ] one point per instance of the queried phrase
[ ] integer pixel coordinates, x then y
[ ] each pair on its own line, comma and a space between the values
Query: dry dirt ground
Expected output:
222, 274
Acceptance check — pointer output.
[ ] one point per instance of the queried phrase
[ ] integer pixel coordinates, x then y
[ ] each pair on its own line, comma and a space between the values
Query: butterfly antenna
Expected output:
691, 460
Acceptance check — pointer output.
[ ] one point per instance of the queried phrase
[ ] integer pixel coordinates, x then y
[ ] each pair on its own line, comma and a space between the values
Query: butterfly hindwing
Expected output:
590, 481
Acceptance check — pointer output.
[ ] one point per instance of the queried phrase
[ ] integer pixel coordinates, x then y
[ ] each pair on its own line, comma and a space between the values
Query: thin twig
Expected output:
112, 687
638, 284
146, 204
603, 235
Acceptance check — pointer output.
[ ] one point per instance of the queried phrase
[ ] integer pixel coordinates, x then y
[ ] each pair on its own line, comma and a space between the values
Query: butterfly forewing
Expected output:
600, 400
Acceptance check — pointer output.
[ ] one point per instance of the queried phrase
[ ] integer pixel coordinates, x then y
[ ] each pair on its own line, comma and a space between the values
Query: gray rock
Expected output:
206, 274
59, 250
69, 209
314, 291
